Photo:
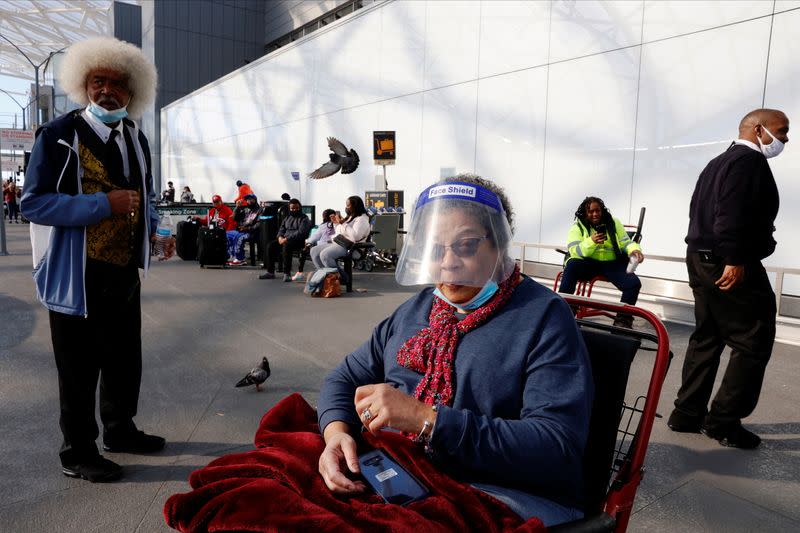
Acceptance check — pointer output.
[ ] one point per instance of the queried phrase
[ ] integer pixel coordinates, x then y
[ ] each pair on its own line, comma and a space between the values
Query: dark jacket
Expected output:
295, 228
247, 217
734, 206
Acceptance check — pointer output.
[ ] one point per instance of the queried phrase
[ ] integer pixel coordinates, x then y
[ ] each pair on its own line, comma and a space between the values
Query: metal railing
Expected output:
780, 272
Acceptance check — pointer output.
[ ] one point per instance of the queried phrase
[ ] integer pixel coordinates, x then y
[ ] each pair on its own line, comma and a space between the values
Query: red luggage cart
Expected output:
622, 413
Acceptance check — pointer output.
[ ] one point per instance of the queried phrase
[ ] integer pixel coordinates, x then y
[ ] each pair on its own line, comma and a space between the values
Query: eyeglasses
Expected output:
466, 247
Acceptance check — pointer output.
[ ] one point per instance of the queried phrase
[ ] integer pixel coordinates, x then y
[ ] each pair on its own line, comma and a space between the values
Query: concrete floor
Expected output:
204, 329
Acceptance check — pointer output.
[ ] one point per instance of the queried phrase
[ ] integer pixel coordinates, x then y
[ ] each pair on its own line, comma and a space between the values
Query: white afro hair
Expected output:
106, 52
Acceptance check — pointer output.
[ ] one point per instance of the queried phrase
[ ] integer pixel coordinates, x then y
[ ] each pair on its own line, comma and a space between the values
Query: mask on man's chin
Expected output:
106, 116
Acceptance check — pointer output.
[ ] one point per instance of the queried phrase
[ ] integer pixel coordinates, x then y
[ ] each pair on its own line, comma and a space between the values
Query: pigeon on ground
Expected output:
257, 376
341, 158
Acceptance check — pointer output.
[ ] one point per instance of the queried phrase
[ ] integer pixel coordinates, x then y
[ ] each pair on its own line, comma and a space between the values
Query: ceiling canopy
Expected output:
39, 28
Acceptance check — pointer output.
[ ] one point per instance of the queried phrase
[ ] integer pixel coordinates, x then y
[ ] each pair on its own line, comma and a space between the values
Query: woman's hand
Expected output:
599, 238
388, 407
339, 452
639, 256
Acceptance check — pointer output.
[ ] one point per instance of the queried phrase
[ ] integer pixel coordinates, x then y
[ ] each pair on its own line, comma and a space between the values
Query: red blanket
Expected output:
277, 488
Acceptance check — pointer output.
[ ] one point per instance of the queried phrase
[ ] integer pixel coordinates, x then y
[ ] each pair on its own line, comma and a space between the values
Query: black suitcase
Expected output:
212, 247
186, 243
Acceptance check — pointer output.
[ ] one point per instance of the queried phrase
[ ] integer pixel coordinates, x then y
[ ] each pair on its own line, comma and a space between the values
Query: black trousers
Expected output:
586, 269
283, 251
105, 345
742, 318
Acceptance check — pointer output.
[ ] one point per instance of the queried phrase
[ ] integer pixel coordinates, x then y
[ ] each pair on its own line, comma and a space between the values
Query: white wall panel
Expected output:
448, 130
466, 87
591, 26
451, 42
402, 48
343, 58
514, 35
693, 92
783, 5
589, 146
783, 88
510, 142
668, 18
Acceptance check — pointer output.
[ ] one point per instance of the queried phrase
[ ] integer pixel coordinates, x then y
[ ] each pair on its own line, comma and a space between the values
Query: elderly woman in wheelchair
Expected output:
486, 369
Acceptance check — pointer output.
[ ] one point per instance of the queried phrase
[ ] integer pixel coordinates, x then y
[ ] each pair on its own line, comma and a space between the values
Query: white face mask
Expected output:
772, 149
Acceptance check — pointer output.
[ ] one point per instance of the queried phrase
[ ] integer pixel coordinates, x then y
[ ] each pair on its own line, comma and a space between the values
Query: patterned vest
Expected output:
118, 238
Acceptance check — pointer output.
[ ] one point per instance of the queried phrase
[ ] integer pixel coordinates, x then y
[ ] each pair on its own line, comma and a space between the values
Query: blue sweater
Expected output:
523, 392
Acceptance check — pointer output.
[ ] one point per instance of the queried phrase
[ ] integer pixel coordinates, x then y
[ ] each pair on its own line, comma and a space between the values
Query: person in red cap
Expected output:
220, 214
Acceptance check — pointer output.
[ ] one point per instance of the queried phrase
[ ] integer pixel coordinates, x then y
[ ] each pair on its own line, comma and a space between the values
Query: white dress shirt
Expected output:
104, 132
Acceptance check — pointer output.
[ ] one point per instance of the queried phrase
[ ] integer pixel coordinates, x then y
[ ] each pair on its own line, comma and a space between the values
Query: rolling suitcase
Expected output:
212, 247
186, 243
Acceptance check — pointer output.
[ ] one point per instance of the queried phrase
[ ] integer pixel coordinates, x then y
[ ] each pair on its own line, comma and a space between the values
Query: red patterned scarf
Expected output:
433, 349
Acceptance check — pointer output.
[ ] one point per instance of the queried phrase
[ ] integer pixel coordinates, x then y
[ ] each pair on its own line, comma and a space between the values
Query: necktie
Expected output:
115, 169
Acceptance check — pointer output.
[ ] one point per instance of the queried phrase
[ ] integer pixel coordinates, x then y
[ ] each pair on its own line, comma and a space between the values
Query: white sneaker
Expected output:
298, 277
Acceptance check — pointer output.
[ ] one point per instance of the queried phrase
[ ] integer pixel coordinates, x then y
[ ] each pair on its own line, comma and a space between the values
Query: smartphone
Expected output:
390, 480
601, 228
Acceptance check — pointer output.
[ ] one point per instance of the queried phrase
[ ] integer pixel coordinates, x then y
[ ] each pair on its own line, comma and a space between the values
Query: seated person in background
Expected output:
169, 194
244, 190
186, 196
291, 236
220, 215
322, 235
599, 245
487, 368
355, 227
246, 219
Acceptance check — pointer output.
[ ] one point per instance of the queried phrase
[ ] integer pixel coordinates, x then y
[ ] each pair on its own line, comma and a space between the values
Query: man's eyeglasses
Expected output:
466, 247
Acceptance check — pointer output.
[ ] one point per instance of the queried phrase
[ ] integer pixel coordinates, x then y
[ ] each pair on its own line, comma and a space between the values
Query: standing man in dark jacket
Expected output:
731, 218
89, 196
291, 236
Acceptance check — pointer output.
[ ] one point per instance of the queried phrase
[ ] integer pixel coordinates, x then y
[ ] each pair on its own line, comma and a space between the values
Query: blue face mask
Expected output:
106, 116
478, 300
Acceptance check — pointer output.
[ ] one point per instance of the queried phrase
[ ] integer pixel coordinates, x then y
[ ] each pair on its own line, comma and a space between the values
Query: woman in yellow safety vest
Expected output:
599, 246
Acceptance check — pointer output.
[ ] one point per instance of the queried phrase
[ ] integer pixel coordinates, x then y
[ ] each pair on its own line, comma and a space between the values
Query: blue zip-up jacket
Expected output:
59, 212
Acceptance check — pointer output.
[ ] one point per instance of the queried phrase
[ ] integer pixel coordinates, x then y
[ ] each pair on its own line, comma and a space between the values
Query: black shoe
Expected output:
267, 275
623, 321
738, 437
136, 442
96, 470
683, 424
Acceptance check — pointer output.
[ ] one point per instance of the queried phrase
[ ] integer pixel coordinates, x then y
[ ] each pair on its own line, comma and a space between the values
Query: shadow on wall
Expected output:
19, 320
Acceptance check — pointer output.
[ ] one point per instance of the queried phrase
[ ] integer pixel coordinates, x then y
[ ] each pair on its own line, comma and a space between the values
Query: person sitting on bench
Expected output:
322, 235
355, 228
599, 246
246, 218
291, 236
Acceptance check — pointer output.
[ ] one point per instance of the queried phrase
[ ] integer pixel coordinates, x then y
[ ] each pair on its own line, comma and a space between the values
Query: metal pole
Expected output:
36, 109
3, 249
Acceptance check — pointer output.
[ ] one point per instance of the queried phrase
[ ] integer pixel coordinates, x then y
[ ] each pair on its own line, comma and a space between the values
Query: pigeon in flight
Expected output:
257, 376
341, 158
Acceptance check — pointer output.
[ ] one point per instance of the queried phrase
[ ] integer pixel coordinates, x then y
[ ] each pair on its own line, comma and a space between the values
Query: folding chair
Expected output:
584, 287
619, 432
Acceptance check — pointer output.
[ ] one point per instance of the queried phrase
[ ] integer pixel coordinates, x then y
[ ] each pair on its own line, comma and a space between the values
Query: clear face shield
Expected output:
459, 235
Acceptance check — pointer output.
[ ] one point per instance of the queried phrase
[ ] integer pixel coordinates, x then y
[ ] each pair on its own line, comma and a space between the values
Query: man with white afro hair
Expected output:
109, 53
89, 196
